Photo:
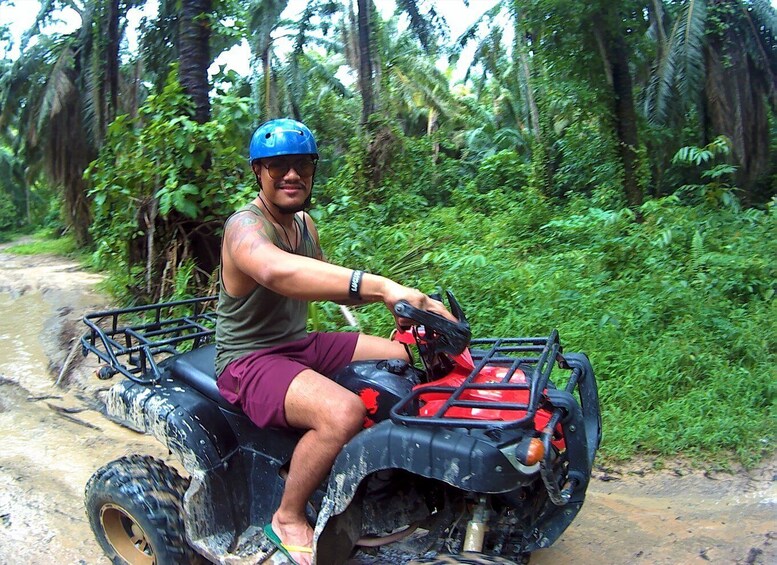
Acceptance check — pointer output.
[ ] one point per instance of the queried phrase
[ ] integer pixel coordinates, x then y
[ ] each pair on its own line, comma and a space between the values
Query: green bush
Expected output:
676, 312
163, 169
9, 217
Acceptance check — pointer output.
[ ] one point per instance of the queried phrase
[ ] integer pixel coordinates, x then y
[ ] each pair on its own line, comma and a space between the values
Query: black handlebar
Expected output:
448, 337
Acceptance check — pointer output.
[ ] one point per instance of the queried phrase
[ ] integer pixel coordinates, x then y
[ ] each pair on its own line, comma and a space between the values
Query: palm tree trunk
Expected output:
194, 58
112, 60
737, 91
614, 52
626, 121
194, 54
431, 127
534, 113
267, 70
365, 60
519, 51
69, 154
656, 16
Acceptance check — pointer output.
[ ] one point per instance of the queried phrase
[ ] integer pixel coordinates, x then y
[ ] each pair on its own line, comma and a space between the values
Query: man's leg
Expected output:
374, 347
332, 415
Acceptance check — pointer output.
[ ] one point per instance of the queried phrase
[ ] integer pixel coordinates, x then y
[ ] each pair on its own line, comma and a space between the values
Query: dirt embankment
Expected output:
54, 437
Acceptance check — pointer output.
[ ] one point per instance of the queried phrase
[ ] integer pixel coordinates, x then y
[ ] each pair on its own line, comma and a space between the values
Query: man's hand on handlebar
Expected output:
396, 293
443, 334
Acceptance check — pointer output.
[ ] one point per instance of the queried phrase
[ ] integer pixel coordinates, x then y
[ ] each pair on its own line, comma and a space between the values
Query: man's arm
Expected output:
249, 250
321, 256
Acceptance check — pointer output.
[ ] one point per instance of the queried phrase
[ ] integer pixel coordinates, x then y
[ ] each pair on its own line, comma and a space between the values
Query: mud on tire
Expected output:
134, 506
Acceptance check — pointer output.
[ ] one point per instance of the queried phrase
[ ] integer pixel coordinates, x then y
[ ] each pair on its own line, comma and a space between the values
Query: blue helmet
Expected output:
281, 137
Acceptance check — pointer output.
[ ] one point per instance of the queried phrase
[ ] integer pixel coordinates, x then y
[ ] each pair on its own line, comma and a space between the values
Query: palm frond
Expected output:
92, 99
659, 89
761, 40
305, 25
680, 71
656, 28
692, 28
429, 28
46, 8
765, 17
490, 53
157, 42
263, 17
14, 84
471, 33
59, 87
411, 81
325, 72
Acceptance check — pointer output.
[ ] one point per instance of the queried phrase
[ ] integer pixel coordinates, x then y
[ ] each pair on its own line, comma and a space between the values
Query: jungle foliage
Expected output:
676, 310
610, 174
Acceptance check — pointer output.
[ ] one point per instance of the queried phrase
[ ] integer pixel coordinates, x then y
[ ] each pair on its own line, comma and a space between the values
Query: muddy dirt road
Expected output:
54, 437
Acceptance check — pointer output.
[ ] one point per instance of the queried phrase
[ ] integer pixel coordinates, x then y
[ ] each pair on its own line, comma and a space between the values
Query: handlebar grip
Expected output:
403, 309
453, 337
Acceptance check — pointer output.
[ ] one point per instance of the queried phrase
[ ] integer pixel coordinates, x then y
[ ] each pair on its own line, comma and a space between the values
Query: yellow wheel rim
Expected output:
126, 536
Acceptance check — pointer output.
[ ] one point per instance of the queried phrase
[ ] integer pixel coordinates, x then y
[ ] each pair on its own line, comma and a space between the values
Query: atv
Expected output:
471, 454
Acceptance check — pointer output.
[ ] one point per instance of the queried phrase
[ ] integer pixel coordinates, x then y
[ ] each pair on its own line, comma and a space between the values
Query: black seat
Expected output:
197, 368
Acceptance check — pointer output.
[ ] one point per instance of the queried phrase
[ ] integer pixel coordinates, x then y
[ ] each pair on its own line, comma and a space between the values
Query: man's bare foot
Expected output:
295, 535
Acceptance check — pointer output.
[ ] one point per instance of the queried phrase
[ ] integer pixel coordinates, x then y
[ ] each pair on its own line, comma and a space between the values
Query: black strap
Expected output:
354, 287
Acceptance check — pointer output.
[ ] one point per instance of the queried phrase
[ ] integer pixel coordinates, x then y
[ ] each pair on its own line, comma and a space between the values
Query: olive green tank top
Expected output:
262, 318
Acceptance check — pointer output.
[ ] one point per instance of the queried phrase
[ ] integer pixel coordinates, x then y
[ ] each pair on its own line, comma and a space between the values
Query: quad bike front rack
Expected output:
132, 340
534, 357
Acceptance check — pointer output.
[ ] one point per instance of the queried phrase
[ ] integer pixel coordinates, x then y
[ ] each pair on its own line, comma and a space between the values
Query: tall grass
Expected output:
43, 242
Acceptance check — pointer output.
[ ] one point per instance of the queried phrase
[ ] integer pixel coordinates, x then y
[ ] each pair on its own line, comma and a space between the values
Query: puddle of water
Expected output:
48, 455
22, 358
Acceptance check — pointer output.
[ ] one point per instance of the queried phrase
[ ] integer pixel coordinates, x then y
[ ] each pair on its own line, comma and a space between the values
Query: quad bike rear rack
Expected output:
133, 340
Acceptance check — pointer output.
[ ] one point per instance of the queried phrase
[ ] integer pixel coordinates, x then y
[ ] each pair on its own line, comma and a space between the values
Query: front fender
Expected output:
466, 461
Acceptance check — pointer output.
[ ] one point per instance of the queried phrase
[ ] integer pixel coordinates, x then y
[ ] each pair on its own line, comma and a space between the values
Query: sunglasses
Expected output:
277, 168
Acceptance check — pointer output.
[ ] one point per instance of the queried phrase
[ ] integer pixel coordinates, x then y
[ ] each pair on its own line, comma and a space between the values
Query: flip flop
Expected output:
287, 550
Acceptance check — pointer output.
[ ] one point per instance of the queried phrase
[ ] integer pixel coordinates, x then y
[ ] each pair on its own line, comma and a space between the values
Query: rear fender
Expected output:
235, 484
196, 431
589, 402
188, 424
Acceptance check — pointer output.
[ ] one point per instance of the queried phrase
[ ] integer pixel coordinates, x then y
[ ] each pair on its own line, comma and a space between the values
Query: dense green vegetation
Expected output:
610, 174
676, 311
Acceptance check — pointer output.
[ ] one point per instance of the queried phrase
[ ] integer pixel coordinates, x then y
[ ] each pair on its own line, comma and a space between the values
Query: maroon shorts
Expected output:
258, 381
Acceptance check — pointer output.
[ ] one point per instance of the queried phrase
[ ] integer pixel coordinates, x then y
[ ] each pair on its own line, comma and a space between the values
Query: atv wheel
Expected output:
466, 558
134, 509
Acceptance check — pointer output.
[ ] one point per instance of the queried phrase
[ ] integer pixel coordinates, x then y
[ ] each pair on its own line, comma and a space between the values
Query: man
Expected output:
271, 266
